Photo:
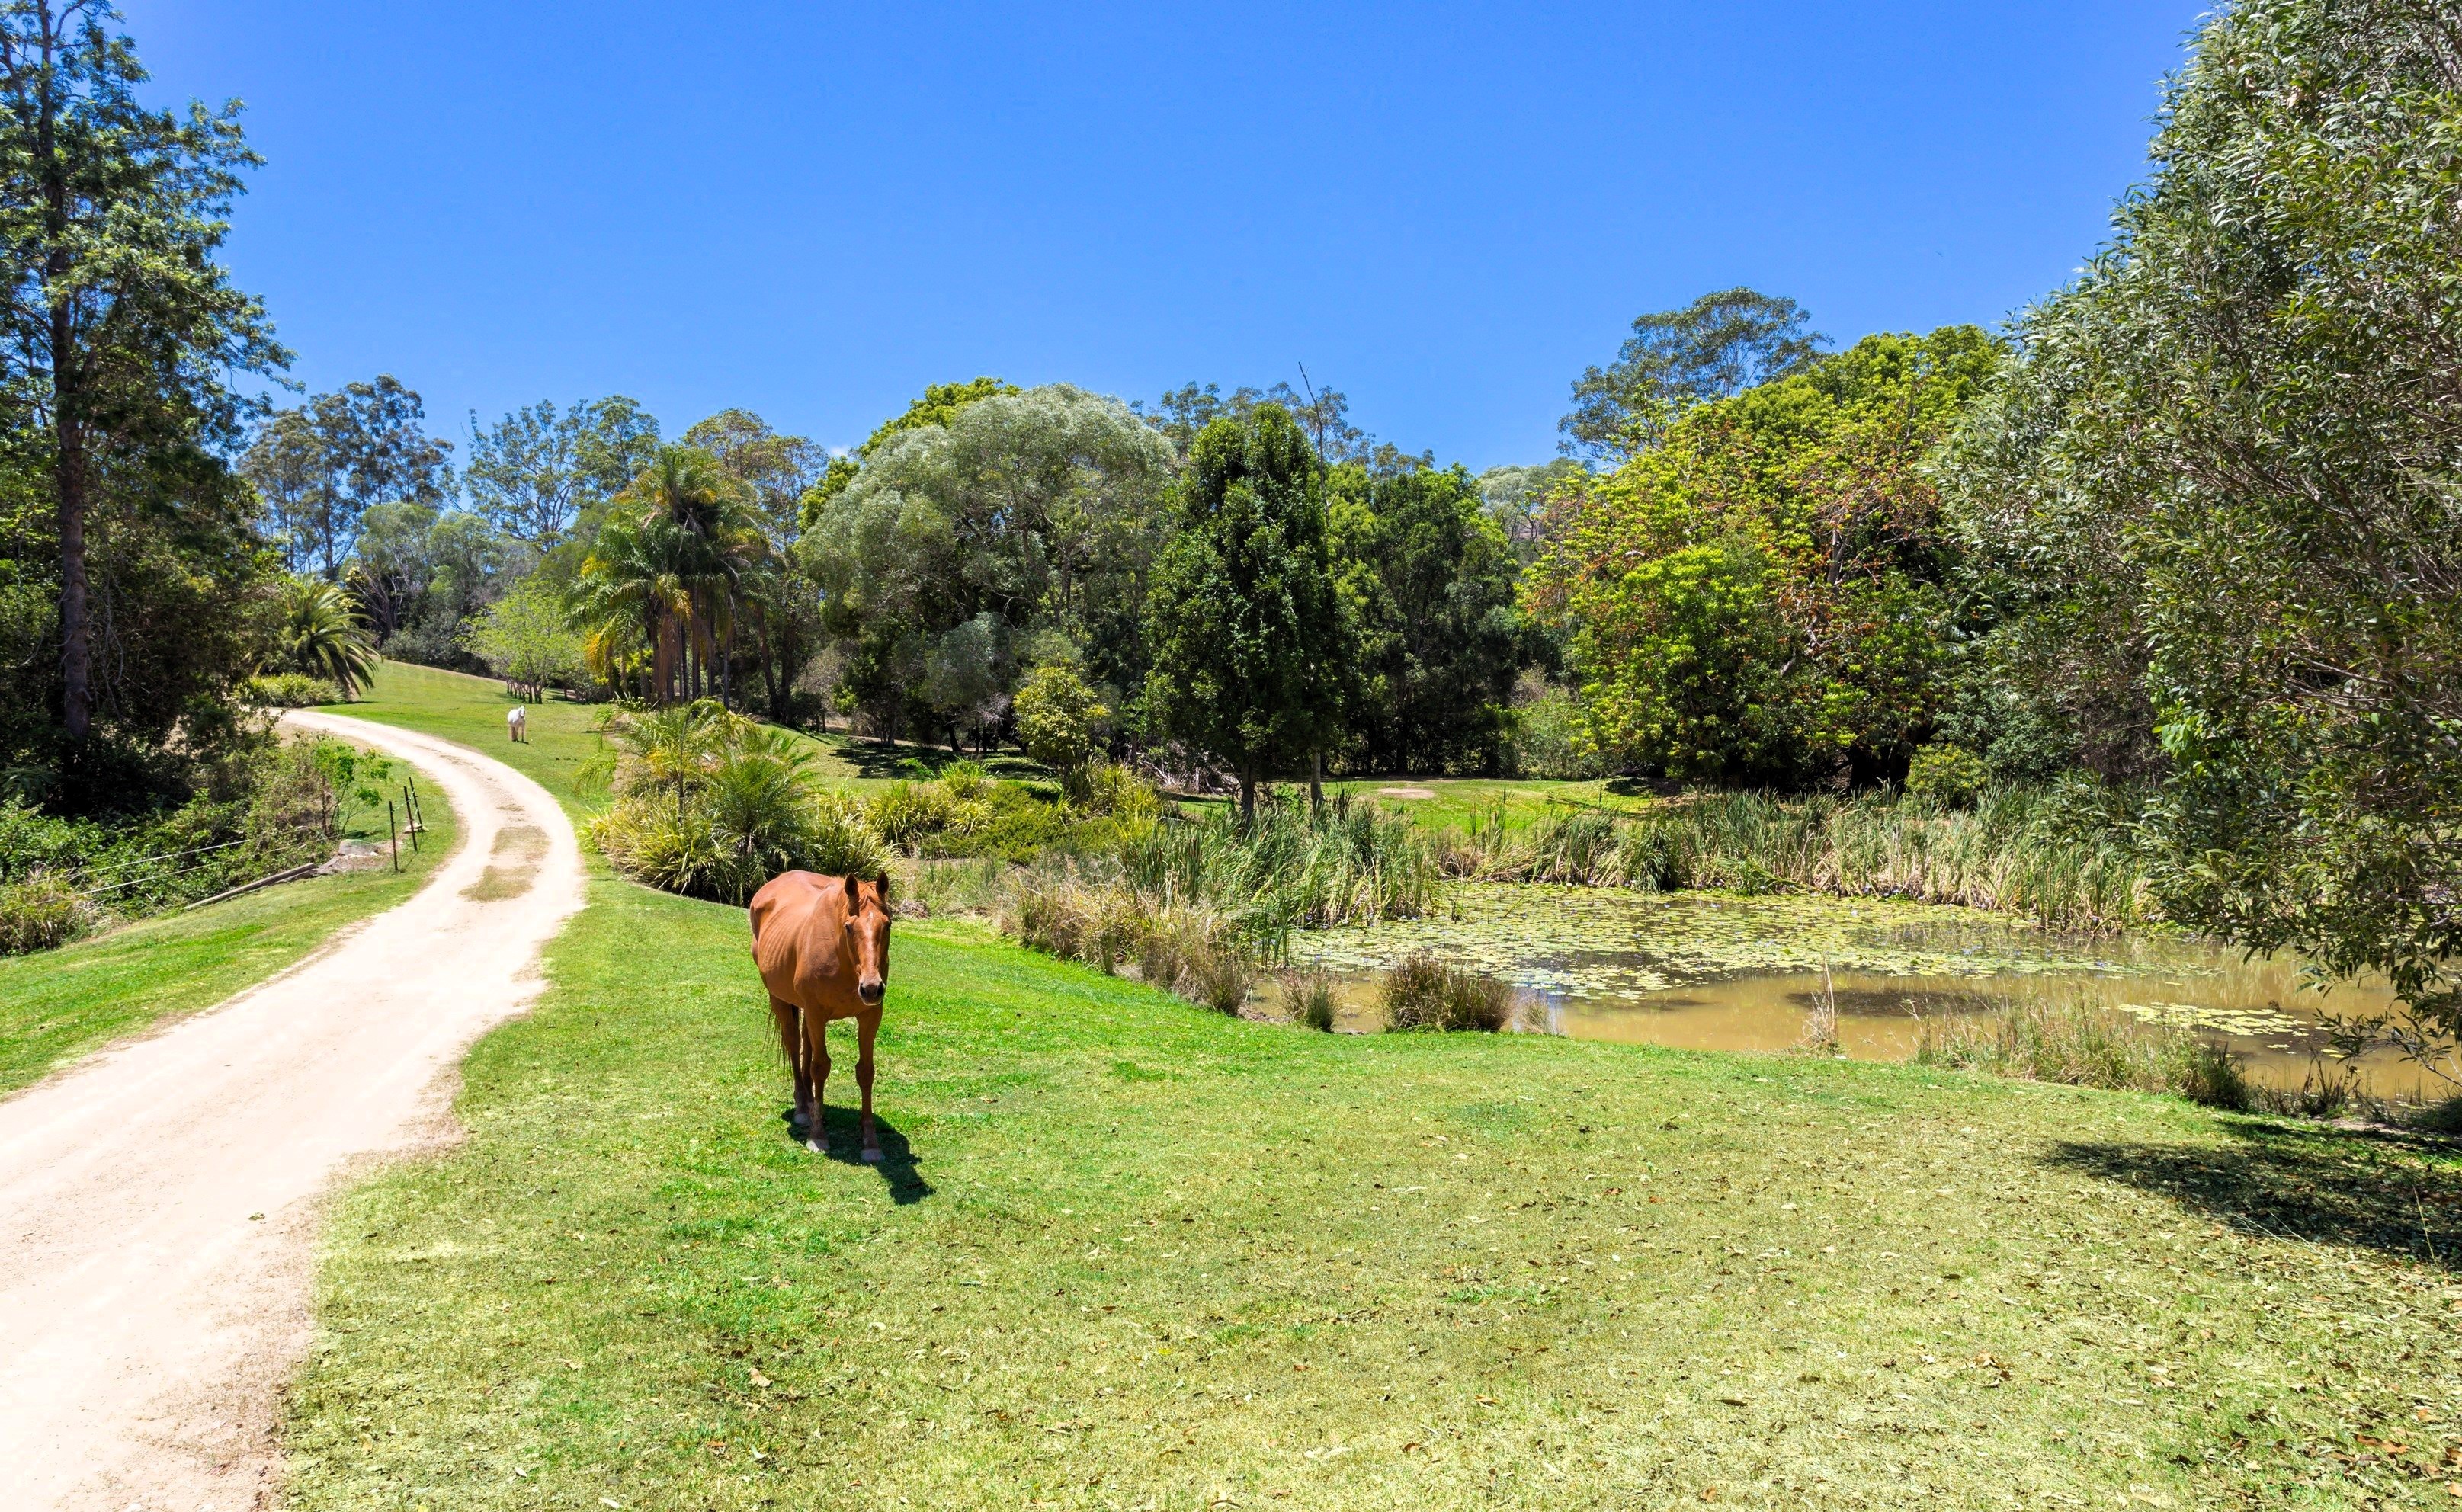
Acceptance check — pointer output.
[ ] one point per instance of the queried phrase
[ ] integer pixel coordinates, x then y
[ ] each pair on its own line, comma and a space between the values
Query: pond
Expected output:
1709, 971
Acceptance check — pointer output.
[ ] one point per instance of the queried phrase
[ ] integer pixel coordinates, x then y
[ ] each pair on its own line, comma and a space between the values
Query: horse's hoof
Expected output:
817, 1146
872, 1156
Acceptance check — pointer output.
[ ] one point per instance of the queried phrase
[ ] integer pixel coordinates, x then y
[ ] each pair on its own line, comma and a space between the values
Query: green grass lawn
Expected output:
1127, 1254
1456, 802
61, 1004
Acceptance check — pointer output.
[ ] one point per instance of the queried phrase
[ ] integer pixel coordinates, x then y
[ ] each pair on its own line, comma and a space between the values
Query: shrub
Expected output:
1058, 721
289, 690
1548, 738
1948, 776
1107, 789
1310, 996
712, 805
40, 912
1424, 993
908, 814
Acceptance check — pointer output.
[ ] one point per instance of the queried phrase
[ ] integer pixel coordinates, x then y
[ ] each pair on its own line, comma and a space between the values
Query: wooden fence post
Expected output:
394, 831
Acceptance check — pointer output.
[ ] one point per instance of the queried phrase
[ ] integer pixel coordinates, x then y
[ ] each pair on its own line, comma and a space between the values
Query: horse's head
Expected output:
867, 927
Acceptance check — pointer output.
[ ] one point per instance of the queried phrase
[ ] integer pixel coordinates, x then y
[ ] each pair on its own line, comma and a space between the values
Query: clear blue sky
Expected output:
1444, 210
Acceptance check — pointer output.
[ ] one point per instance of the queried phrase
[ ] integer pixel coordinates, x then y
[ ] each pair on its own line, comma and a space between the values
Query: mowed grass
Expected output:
59, 1005
1126, 1253
1458, 802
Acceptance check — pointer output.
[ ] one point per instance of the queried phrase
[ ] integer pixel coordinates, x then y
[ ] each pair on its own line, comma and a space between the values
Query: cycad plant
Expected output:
323, 634
711, 804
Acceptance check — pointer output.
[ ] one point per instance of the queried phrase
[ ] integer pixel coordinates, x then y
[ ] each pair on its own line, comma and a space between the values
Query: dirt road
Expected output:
158, 1204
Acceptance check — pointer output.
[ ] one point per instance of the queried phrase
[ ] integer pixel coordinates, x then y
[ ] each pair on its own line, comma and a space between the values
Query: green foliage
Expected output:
1058, 721
40, 912
528, 638
1716, 347
939, 404
1950, 776
289, 690
1018, 531
323, 467
1764, 597
712, 805
537, 474
1426, 579
1251, 652
1424, 993
2218, 492
323, 634
1549, 738
661, 595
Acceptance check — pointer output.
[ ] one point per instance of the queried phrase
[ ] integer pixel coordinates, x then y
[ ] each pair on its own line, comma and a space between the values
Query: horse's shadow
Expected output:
897, 1164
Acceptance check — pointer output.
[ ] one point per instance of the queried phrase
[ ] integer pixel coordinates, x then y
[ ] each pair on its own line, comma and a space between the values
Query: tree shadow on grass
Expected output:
2389, 1193
880, 761
896, 1166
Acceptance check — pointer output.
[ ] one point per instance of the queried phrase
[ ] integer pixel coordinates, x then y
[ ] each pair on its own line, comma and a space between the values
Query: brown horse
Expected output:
822, 945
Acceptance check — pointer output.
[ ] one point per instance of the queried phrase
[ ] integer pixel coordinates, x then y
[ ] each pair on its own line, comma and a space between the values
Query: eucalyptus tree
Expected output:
538, 472
1714, 348
120, 329
322, 467
967, 547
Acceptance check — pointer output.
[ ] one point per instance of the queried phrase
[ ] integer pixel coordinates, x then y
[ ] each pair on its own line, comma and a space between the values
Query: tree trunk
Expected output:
68, 419
77, 651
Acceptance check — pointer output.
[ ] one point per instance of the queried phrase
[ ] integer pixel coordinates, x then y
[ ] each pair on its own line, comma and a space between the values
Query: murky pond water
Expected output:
1713, 972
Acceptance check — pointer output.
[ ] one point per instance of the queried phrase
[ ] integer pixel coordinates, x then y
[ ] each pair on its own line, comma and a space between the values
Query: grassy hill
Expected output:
1126, 1253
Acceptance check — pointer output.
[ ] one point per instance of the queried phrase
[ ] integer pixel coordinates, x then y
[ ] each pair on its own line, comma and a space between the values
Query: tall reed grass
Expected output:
2082, 1044
2030, 853
1199, 906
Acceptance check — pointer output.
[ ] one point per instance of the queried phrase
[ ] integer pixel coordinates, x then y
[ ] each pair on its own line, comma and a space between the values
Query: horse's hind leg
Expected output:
791, 1039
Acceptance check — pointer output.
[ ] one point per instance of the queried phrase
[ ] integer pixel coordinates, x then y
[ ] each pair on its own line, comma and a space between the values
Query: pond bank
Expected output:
1713, 971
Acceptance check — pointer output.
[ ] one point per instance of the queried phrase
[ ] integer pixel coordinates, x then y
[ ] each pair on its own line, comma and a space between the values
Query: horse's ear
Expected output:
882, 883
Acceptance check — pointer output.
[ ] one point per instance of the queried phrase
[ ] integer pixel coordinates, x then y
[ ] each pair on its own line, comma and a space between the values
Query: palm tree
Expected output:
324, 635
675, 562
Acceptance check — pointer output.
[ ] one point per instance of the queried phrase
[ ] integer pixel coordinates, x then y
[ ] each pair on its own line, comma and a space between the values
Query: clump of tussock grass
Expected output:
1187, 949
938, 887
1309, 997
2082, 1044
1424, 993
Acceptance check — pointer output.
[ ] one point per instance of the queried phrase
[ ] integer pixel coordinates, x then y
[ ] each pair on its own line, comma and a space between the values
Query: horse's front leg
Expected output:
865, 1026
816, 1059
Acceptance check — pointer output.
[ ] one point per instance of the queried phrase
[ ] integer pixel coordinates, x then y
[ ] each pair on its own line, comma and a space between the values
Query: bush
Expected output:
1548, 738
1948, 776
1424, 993
289, 690
1310, 996
1109, 791
712, 805
40, 912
